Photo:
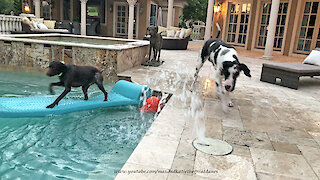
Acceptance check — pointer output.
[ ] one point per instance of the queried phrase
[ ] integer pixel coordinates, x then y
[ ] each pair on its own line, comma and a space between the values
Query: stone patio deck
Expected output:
275, 131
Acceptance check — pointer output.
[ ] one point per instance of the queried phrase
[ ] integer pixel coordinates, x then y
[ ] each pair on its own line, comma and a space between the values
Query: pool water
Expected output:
90, 144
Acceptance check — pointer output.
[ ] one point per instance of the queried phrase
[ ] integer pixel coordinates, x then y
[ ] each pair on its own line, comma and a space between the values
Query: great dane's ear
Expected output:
245, 69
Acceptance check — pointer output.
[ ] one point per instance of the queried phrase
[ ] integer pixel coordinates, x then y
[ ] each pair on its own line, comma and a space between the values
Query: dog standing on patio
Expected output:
155, 42
225, 60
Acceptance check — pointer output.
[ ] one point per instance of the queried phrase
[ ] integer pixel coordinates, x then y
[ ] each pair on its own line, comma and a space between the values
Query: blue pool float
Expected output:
123, 93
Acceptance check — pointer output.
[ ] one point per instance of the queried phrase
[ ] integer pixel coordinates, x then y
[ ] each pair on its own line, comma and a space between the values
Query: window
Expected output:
122, 18
318, 39
309, 27
153, 15
238, 22
93, 11
121, 28
66, 10
103, 11
280, 28
46, 11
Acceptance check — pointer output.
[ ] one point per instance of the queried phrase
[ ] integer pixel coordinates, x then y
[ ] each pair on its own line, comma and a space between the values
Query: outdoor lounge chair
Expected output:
289, 73
26, 29
173, 43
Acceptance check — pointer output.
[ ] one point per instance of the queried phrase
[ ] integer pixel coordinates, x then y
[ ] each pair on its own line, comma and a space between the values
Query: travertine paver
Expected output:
312, 156
285, 147
282, 164
155, 152
268, 126
220, 167
247, 138
262, 176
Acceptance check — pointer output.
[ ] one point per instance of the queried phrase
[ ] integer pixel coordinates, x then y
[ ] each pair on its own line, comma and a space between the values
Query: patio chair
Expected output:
76, 28
64, 25
92, 28
289, 73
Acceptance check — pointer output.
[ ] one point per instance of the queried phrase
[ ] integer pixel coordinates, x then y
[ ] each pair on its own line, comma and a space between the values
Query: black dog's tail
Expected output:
219, 30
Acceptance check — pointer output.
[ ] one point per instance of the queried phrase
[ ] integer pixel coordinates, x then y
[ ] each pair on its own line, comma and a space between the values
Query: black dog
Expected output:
75, 76
155, 42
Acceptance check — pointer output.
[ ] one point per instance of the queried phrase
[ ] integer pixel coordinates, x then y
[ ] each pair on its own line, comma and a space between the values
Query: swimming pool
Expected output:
83, 145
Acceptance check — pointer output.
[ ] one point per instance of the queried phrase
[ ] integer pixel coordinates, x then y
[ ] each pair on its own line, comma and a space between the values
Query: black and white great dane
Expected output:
225, 60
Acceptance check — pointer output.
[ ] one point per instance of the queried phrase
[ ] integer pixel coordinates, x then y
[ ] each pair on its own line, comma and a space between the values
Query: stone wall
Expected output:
36, 57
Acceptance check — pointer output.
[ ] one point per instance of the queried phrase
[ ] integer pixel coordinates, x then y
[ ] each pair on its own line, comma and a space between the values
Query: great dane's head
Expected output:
152, 30
231, 71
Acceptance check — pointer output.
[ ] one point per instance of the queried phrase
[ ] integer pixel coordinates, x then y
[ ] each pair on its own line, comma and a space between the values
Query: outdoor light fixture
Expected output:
26, 8
111, 8
217, 8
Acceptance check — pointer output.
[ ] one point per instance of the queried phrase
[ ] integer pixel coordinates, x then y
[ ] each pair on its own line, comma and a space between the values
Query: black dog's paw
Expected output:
51, 91
51, 106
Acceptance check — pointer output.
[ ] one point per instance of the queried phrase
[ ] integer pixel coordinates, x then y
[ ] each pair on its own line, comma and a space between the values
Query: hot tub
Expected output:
34, 52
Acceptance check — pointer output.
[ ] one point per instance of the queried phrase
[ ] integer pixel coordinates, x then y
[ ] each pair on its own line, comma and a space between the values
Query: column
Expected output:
1, 19
83, 16
71, 10
208, 32
131, 18
271, 29
37, 8
170, 13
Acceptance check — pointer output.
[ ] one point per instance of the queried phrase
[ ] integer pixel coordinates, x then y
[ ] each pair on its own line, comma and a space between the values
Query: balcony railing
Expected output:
10, 24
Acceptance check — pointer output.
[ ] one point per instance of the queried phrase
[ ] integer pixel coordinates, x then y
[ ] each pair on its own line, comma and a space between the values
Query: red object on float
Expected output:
151, 105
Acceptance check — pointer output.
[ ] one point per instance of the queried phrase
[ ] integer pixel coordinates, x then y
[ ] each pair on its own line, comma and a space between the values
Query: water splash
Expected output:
197, 114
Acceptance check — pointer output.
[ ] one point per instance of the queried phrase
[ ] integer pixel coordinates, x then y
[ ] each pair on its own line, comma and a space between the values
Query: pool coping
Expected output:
153, 157
132, 43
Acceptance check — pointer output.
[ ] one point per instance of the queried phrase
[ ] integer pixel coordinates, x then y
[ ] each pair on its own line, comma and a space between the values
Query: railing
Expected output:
10, 24
198, 30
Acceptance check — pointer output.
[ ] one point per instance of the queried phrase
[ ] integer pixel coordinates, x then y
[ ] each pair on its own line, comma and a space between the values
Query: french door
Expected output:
280, 28
238, 23
309, 31
121, 19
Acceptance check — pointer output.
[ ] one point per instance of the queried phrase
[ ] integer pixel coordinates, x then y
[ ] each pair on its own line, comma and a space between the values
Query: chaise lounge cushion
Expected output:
49, 23
313, 58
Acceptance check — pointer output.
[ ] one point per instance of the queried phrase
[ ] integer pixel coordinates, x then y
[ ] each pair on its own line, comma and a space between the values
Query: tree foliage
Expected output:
17, 7
6, 6
195, 10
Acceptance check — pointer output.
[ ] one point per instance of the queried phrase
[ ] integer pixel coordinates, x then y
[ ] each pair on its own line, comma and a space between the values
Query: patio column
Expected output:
170, 13
83, 16
208, 30
271, 29
37, 8
131, 18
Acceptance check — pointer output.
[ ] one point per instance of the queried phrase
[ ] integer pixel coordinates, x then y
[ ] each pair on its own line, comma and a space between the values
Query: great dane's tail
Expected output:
219, 30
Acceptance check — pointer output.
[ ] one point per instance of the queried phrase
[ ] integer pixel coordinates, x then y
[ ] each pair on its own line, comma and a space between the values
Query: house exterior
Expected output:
112, 15
245, 23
